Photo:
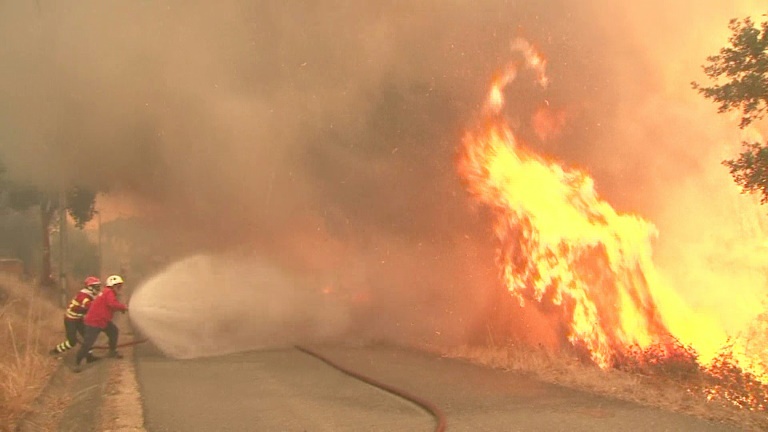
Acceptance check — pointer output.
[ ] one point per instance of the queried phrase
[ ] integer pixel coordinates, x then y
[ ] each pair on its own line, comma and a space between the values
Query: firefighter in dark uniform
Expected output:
73, 317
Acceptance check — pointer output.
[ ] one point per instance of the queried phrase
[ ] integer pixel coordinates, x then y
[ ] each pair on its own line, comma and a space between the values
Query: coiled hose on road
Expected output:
428, 406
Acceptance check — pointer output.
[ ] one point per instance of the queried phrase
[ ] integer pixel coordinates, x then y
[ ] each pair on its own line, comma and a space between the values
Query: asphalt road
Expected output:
288, 390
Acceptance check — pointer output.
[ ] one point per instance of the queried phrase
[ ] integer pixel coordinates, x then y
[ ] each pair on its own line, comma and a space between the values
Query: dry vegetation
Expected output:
665, 377
30, 325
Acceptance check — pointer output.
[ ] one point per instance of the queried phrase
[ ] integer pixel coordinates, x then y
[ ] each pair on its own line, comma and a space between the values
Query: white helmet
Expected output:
114, 280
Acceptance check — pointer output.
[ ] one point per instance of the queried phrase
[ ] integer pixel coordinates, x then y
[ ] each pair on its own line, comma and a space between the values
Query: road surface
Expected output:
288, 390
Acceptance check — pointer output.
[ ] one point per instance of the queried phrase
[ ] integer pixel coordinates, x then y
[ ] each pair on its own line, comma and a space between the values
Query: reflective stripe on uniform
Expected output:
79, 305
64, 346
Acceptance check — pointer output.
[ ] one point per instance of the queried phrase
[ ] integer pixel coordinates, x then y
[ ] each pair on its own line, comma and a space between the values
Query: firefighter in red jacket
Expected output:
73, 317
99, 319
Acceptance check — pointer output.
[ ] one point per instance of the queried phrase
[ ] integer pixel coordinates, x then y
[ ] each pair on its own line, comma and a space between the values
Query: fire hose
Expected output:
120, 345
426, 405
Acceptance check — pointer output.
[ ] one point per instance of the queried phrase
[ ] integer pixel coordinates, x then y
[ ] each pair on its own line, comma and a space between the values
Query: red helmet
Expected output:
92, 280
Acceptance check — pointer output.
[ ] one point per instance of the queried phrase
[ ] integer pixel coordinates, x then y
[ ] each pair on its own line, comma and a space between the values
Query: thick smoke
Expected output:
322, 134
251, 116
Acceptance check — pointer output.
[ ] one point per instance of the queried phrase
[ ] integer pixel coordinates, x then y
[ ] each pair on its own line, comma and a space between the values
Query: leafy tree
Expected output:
19, 237
740, 83
79, 203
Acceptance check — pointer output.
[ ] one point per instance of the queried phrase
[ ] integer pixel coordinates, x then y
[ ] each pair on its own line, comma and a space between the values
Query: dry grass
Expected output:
672, 386
30, 325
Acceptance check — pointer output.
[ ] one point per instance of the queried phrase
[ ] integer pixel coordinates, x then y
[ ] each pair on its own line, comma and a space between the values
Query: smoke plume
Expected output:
322, 135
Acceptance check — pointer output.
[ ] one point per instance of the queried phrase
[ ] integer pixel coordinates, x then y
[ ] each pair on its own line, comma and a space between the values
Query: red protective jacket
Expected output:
79, 305
102, 308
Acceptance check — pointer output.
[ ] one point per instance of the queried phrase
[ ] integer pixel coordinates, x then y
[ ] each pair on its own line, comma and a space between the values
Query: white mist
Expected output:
210, 305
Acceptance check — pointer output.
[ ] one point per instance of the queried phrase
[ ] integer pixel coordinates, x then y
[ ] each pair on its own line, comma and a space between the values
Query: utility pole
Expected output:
63, 247
99, 250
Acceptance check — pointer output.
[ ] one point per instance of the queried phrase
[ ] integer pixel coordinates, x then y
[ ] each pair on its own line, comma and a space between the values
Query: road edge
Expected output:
122, 409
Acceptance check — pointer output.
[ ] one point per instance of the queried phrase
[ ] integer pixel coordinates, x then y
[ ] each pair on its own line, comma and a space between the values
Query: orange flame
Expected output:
562, 245
561, 242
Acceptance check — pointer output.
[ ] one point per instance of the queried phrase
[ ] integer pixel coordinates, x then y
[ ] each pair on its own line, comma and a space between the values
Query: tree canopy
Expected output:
79, 203
739, 74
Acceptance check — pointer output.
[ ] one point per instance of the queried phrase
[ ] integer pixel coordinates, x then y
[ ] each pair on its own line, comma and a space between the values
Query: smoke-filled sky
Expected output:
305, 127
261, 111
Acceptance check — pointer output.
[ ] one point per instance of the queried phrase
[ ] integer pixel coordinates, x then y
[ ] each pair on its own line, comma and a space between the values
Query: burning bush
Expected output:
671, 360
726, 382
722, 381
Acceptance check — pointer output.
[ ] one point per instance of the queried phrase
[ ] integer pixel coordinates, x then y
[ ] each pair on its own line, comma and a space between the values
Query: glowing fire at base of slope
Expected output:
561, 245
